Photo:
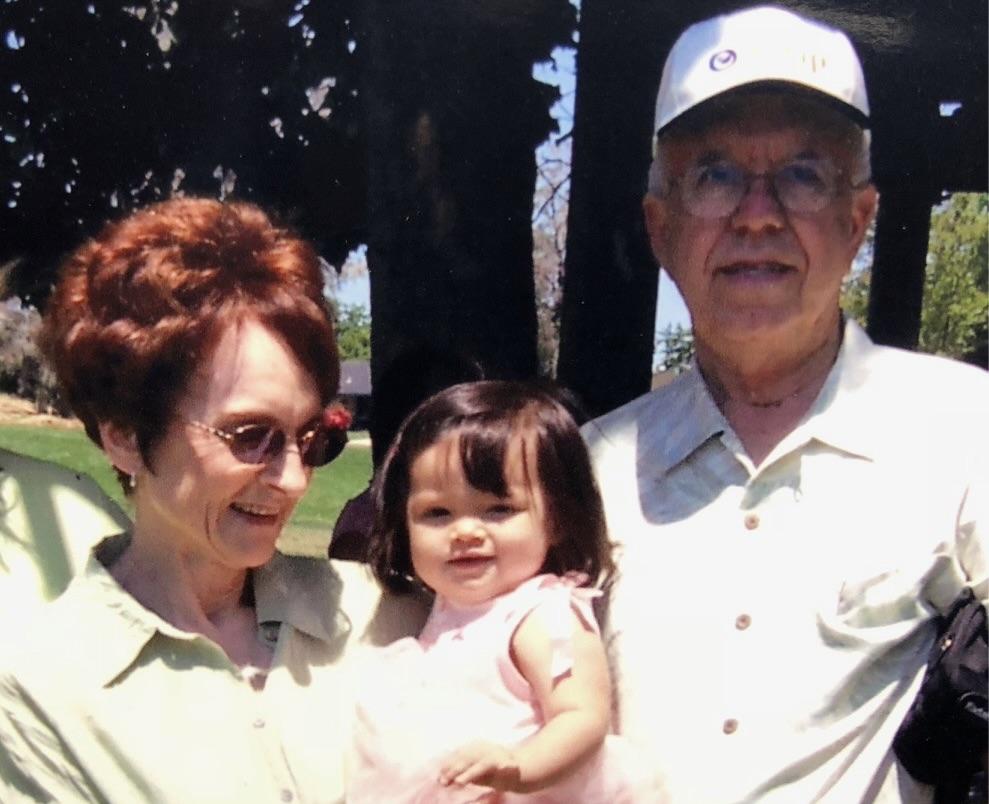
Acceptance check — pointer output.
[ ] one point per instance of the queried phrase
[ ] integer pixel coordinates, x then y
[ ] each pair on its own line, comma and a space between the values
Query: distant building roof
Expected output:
355, 378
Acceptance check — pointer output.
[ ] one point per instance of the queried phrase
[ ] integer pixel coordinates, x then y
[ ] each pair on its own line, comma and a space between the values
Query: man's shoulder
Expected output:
919, 381
921, 364
640, 415
55, 636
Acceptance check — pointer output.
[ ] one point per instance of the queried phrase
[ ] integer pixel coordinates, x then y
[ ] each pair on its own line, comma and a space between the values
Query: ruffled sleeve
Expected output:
552, 598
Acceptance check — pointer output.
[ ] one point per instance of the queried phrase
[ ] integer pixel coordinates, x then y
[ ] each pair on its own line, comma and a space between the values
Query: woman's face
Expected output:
212, 507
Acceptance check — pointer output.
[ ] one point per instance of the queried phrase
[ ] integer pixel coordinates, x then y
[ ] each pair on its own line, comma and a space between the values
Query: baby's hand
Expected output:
484, 764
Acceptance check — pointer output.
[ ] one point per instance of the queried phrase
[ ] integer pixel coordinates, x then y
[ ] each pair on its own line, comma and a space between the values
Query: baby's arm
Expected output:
576, 709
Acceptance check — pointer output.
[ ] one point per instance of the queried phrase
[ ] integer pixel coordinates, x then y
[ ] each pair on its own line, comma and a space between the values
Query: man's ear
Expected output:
656, 213
121, 447
863, 210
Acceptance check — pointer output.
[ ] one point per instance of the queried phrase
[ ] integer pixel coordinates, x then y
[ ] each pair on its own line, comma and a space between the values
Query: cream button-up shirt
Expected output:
770, 625
110, 703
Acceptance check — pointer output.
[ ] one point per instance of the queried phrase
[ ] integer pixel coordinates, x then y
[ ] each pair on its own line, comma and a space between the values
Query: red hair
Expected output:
139, 307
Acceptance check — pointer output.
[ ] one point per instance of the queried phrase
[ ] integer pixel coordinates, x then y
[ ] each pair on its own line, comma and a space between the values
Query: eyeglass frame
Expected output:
334, 446
833, 190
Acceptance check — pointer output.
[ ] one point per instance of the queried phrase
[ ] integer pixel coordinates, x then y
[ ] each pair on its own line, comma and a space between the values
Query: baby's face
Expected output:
468, 545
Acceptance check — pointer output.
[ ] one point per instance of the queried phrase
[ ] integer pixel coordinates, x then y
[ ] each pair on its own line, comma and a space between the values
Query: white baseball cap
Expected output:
765, 45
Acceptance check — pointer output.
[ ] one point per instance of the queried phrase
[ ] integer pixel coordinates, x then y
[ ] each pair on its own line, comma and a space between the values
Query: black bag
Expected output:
944, 737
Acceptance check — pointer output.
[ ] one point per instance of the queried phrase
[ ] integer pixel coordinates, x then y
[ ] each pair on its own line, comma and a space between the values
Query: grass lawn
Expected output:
308, 532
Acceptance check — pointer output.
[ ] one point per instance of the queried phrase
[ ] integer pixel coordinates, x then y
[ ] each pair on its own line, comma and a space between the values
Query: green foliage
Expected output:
109, 106
674, 348
955, 294
353, 325
855, 295
307, 533
953, 317
22, 371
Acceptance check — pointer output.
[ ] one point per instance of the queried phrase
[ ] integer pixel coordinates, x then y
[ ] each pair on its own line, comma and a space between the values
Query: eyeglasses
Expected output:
715, 189
263, 443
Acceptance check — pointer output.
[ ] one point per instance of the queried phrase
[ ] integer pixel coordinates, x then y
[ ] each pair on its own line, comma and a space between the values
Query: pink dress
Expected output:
420, 699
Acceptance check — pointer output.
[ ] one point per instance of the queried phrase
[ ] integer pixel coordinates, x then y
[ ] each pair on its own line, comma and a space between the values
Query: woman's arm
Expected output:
576, 707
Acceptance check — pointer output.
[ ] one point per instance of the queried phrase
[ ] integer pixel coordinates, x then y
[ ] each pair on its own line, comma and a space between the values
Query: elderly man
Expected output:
796, 507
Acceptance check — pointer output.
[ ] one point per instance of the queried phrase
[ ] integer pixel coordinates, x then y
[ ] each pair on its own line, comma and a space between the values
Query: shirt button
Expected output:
259, 723
751, 521
743, 621
729, 726
287, 795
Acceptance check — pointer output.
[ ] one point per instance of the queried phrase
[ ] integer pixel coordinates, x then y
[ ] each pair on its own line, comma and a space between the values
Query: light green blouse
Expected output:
112, 704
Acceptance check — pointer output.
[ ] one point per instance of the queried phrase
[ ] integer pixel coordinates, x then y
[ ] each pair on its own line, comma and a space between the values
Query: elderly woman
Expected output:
190, 662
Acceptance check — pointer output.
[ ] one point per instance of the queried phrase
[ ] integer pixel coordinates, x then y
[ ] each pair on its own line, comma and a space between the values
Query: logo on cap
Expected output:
722, 60
813, 61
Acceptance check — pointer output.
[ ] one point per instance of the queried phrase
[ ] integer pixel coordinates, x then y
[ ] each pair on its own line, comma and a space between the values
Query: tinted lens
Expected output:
256, 443
320, 446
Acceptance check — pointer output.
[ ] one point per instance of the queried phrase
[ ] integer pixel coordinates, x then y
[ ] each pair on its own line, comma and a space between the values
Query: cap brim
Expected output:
855, 114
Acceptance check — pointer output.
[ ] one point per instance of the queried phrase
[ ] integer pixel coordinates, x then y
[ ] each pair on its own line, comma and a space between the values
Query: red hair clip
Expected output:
336, 417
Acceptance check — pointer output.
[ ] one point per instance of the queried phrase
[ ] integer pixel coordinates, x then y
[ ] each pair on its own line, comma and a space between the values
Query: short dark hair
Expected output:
411, 377
139, 307
488, 416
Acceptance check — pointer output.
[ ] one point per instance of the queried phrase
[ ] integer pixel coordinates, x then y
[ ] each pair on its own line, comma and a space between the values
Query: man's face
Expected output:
762, 275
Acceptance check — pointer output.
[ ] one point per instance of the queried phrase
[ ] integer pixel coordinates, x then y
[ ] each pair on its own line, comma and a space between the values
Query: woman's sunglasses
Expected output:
263, 443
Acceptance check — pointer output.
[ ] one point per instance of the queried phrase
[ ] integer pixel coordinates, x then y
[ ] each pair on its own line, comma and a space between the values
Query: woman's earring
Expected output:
132, 482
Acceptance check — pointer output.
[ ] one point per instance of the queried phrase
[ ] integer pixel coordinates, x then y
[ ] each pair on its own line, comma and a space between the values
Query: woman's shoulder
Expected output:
90, 628
378, 615
328, 596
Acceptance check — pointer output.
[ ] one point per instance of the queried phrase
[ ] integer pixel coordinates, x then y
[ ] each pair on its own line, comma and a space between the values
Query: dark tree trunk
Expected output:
896, 289
608, 312
453, 116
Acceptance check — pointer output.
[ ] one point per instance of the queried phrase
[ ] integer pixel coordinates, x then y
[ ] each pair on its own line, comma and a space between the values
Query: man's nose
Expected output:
759, 207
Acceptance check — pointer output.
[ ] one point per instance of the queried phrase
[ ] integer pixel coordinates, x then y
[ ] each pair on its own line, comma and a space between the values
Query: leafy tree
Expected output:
674, 348
353, 325
407, 127
107, 106
549, 237
953, 317
608, 311
550, 207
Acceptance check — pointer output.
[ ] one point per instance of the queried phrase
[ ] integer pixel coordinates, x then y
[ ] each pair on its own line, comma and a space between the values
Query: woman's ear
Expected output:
121, 447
